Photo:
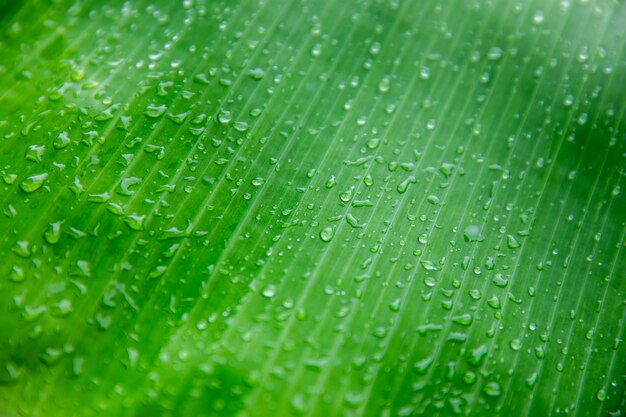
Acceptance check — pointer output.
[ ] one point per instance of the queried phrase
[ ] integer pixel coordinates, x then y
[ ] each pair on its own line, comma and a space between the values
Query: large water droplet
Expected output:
153, 111
33, 183
493, 389
327, 234
53, 233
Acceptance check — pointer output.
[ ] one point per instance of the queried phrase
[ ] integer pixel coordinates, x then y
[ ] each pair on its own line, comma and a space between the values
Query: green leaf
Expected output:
312, 208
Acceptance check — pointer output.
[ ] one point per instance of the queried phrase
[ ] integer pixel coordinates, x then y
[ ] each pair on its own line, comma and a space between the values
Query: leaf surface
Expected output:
312, 208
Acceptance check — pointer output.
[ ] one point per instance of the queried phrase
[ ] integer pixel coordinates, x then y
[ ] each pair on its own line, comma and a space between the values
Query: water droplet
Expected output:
62, 309
135, 221
327, 234
430, 281
500, 281
475, 294
465, 263
258, 181
61, 141
224, 117
380, 332
83, 268
375, 48
404, 185
115, 209
422, 366
53, 233
494, 54
269, 291
470, 378
154, 149
346, 195
179, 118
493, 389
494, 302
157, 272
8, 178
568, 101
256, 73
332, 181
430, 266
241, 126
511, 242
51, 356
373, 143
174, 232
490, 263
99, 198
540, 352
316, 50
362, 203
463, 319
515, 344
35, 153
153, 111
22, 249
583, 55
33, 183
17, 274
126, 183
477, 355
472, 233
384, 85
297, 405
352, 221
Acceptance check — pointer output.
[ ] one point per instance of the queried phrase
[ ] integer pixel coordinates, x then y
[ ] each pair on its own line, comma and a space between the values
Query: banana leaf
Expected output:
312, 208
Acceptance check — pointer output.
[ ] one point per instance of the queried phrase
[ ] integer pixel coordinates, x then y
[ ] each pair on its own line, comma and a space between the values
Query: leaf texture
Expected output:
312, 208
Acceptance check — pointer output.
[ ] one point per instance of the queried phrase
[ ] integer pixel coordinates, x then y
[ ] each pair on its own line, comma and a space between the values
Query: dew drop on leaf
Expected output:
52, 235
475, 294
494, 302
269, 291
515, 344
22, 249
135, 221
464, 319
224, 117
35, 153
380, 332
157, 272
472, 233
327, 234
493, 389
256, 73
420, 367
33, 183
470, 378
154, 111
511, 242
540, 352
